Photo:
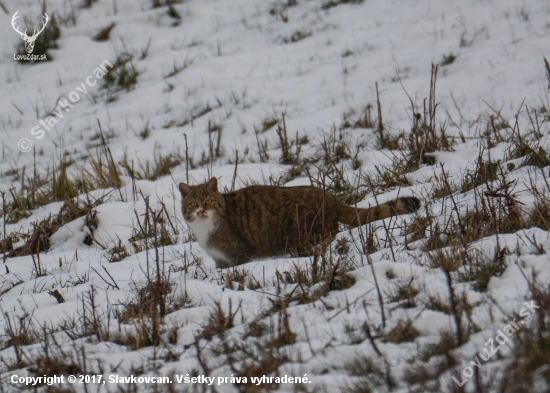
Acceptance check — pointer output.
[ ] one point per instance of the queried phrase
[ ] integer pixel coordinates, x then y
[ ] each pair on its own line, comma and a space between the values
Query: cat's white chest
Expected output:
202, 228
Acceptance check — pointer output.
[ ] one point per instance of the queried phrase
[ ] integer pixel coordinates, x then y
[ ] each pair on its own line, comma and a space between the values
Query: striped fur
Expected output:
265, 221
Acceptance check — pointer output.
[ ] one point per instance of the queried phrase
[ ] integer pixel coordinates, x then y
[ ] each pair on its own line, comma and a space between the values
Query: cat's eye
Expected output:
208, 202
194, 204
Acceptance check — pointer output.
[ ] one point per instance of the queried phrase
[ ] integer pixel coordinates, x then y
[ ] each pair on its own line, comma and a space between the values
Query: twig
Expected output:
366, 328
235, 171
114, 284
547, 66
4, 245
97, 242
263, 155
186, 159
168, 218
4, 8
380, 122
113, 166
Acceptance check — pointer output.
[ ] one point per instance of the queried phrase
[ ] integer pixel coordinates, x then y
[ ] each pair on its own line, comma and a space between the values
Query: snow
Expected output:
235, 70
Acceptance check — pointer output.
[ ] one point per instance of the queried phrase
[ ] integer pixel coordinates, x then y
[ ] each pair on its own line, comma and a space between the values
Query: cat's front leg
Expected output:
231, 261
222, 263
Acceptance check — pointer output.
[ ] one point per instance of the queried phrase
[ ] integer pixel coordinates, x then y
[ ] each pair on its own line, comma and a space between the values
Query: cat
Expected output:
267, 221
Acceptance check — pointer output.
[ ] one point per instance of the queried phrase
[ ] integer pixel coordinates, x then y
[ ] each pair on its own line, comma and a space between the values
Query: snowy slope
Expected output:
214, 69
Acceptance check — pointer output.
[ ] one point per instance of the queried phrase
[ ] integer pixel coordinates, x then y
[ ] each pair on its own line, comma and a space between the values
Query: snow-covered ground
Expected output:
213, 75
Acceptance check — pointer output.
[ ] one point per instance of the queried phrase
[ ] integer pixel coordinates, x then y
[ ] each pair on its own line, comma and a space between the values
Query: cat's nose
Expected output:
201, 212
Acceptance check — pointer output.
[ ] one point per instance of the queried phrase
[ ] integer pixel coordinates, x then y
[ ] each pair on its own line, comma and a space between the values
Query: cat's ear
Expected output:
184, 189
212, 184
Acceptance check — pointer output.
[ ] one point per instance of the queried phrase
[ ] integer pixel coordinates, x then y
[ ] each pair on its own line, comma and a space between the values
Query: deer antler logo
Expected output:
29, 41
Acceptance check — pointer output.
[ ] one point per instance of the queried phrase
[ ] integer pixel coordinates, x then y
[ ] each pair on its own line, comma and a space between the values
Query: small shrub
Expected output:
218, 322
334, 3
314, 281
498, 211
156, 230
105, 33
39, 239
391, 176
479, 269
298, 35
260, 356
268, 123
19, 333
154, 299
176, 68
174, 14
123, 76
144, 332
163, 3
88, 3
448, 59
403, 293
416, 229
371, 375
147, 297
49, 366
436, 303
426, 137
160, 166
118, 253
241, 278
483, 173
536, 156
540, 216
279, 9
422, 371
402, 332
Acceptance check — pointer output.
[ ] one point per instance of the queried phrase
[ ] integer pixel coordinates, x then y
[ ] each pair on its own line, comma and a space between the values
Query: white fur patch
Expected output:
201, 228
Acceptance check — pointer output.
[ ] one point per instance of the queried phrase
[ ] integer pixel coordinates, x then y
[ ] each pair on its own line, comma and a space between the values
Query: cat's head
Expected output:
202, 201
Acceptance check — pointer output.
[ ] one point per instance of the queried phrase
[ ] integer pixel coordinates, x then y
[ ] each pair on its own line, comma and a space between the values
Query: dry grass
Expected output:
38, 240
160, 166
218, 322
433, 360
325, 273
266, 343
123, 76
531, 353
403, 331
403, 293
371, 374
262, 354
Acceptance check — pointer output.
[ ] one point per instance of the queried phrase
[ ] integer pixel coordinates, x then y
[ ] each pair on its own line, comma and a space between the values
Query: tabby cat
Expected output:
265, 221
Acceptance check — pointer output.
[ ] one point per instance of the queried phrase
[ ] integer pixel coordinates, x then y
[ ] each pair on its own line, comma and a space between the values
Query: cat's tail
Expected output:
354, 217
